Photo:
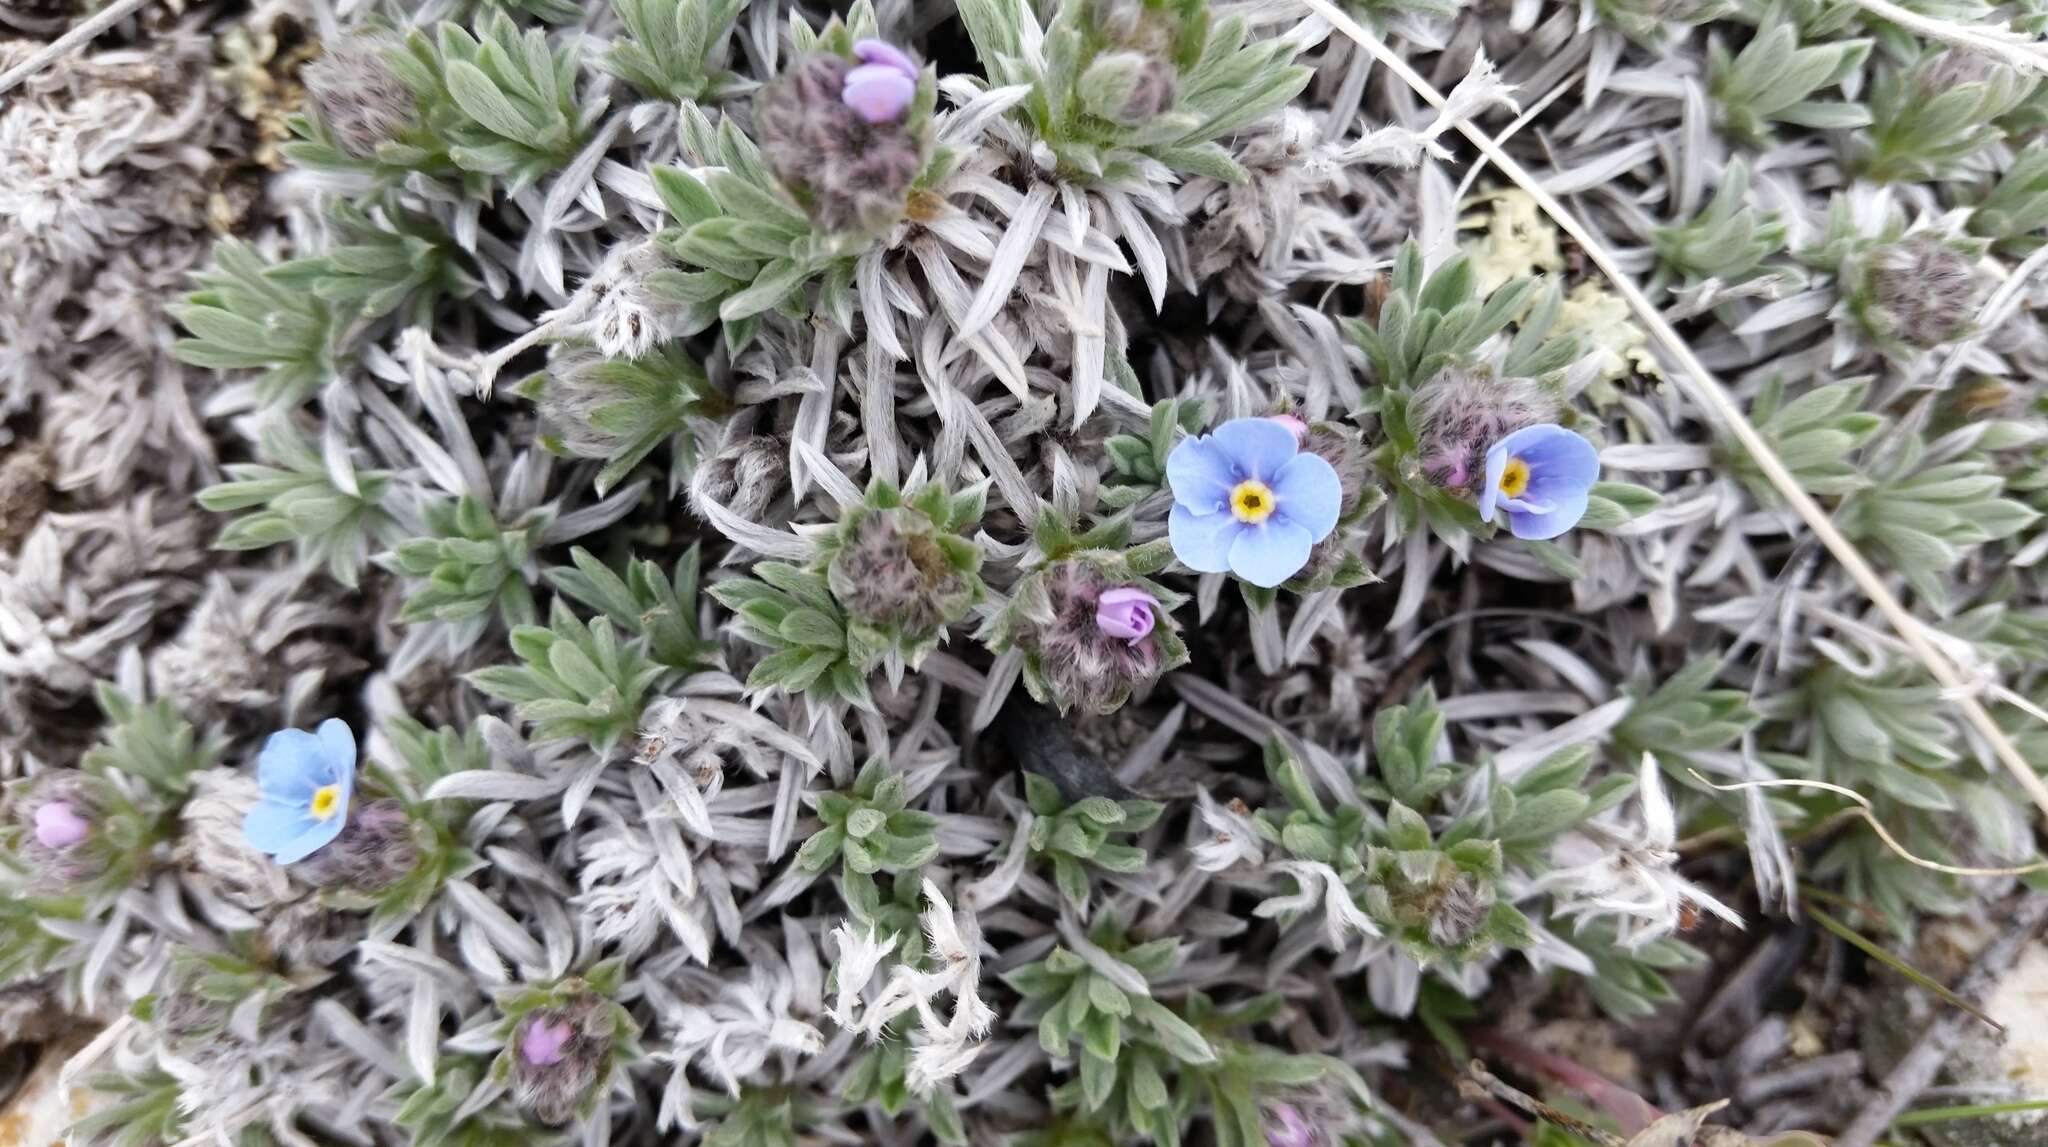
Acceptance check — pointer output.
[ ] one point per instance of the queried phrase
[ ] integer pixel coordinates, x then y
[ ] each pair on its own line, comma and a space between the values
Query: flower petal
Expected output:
273, 825
878, 94
1554, 455
1565, 512
1496, 465
1258, 447
310, 841
1201, 475
1202, 542
1308, 493
1270, 554
290, 766
884, 54
337, 749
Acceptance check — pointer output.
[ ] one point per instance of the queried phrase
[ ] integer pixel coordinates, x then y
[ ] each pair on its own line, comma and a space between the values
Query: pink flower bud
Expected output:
58, 825
1293, 423
1126, 612
544, 1040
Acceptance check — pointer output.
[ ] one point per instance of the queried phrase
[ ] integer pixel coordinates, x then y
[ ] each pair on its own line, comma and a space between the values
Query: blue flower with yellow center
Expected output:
307, 779
1541, 475
1248, 500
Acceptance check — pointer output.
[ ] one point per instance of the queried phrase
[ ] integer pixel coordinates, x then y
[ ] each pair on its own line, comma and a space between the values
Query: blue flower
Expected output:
1249, 501
307, 779
1540, 475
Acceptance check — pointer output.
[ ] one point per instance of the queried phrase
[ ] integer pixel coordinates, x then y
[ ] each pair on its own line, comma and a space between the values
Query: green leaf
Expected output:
1175, 1034
1543, 815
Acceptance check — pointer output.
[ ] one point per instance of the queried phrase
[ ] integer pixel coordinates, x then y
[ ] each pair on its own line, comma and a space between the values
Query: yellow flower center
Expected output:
1251, 502
1515, 478
326, 801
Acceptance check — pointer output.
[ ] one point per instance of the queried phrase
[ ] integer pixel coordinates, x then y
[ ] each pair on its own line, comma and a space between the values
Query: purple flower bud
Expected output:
881, 89
878, 94
883, 54
543, 1041
1286, 1128
55, 816
58, 825
561, 1056
1126, 612
1076, 660
1293, 422
850, 169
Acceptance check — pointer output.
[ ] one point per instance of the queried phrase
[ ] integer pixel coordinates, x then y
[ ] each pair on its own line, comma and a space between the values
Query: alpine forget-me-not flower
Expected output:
1248, 500
1541, 476
307, 779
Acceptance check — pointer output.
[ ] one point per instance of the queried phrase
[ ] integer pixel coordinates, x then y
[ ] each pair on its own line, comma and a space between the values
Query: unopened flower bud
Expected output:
1457, 416
881, 89
56, 815
1429, 897
358, 97
849, 173
1460, 911
1126, 612
543, 1040
892, 571
559, 1055
376, 849
1285, 1127
58, 825
1924, 292
1081, 662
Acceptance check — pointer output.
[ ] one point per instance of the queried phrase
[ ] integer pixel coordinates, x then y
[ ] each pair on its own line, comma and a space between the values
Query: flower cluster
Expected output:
1251, 501
944, 452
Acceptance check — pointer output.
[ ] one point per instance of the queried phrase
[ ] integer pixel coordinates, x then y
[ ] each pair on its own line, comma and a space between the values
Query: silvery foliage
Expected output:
607, 774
